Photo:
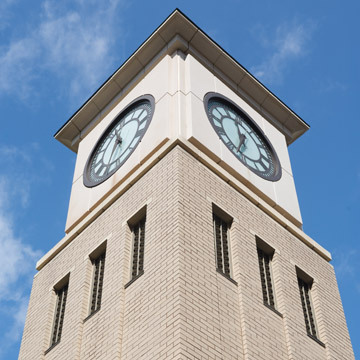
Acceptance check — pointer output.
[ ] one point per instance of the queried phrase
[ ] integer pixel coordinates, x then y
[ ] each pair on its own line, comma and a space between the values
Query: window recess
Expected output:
98, 280
306, 304
137, 225
305, 283
97, 258
138, 234
221, 224
265, 258
59, 314
61, 292
266, 277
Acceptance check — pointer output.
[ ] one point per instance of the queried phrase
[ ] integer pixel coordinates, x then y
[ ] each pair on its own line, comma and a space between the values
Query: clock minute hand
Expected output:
113, 150
117, 142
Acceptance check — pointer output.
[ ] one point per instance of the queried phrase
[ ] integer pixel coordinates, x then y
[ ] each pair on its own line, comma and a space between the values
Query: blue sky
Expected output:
55, 54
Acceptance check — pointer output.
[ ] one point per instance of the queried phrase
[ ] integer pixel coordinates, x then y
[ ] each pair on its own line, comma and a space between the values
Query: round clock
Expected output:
119, 140
242, 136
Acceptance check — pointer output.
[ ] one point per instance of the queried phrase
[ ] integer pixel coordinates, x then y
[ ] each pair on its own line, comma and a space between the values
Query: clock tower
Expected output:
184, 236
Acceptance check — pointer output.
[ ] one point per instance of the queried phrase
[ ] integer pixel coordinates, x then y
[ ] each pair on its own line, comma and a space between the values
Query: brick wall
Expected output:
181, 308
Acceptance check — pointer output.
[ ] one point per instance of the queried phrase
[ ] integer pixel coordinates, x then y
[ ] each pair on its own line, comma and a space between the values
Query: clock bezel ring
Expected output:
88, 182
253, 125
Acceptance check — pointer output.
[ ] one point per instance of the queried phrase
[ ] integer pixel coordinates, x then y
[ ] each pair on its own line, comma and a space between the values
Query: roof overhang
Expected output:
178, 32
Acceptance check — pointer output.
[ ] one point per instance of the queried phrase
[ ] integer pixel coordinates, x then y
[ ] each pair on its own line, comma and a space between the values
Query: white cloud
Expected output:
17, 266
4, 13
74, 44
17, 257
288, 43
331, 85
17, 163
14, 332
347, 267
10, 152
15, 65
17, 261
346, 263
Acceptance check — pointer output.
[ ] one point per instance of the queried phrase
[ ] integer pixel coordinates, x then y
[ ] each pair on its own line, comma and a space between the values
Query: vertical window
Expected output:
221, 245
138, 235
221, 224
305, 296
61, 295
97, 285
266, 277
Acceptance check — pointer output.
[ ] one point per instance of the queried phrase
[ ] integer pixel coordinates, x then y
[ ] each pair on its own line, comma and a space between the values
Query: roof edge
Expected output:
198, 42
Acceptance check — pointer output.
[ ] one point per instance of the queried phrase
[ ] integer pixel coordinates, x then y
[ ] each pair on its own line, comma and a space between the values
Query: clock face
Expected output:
242, 136
118, 141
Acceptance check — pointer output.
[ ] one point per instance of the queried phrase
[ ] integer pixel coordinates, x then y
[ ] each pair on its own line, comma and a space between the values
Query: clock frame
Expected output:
98, 168
242, 136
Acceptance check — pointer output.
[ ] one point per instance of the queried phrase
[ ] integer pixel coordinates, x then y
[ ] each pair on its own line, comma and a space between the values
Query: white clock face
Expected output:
118, 141
242, 137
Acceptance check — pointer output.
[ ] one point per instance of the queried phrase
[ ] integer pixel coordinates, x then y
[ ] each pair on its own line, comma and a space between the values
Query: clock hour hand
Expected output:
242, 139
118, 138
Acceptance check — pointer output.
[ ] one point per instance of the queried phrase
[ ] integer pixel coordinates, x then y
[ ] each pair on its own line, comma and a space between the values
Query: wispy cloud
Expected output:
17, 267
15, 67
19, 310
287, 44
5, 13
19, 257
345, 262
331, 85
10, 153
73, 43
347, 266
19, 175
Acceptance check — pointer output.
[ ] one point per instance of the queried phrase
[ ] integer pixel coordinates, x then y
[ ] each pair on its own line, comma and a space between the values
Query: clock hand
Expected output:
118, 137
242, 139
112, 152
118, 141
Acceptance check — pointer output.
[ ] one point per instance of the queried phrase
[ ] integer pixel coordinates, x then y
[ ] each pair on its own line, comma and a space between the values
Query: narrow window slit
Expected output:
222, 244
138, 231
304, 289
61, 296
98, 280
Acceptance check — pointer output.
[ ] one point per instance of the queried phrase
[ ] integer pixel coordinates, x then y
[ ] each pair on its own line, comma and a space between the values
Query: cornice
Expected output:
281, 218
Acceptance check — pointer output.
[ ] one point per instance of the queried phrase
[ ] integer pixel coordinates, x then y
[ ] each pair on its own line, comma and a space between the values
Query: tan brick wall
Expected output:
181, 308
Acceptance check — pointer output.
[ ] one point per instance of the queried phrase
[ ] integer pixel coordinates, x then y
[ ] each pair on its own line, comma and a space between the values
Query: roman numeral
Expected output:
221, 131
100, 171
142, 124
230, 145
266, 163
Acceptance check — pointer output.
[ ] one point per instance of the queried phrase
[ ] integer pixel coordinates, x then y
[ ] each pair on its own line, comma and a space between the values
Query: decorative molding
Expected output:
117, 191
